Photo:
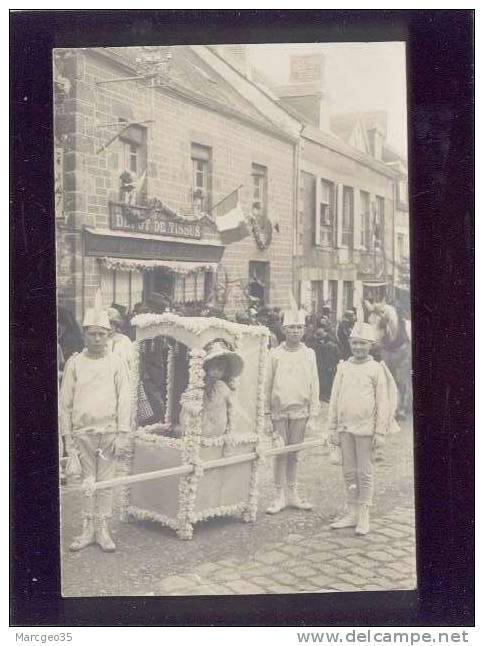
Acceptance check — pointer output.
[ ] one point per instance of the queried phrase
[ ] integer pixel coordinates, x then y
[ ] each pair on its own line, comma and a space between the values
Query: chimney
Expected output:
376, 130
305, 91
236, 55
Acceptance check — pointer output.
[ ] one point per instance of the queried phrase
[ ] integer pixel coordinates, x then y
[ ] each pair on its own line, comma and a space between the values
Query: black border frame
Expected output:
441, 183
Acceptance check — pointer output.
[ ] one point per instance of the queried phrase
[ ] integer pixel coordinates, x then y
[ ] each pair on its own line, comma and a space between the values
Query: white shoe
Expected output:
293, 500
103, 537
363, 526
87, 537
349, 519
279, 503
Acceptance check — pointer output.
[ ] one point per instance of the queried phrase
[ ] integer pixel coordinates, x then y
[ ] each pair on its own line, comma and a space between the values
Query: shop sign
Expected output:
144, 220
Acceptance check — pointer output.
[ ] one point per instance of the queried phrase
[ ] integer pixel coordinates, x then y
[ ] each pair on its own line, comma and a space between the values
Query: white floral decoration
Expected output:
125, 462
143, 514
198, 324
192, 408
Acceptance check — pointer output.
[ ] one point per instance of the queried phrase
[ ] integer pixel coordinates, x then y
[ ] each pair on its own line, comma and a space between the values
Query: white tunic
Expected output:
95, 395
359, 398
292, 382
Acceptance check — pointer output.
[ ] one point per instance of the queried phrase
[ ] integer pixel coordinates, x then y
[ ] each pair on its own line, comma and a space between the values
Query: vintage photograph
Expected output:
233, 323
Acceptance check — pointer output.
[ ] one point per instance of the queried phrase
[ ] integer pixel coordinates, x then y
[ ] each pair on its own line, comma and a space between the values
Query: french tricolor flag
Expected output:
230, 219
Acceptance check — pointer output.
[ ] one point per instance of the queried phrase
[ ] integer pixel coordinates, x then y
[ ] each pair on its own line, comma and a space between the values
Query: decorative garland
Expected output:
176, 266
125, 464
170, 383
250, 513
158, 428
229, 439
143, 514
161, 441
224, 510
192, 405
262, 235
198, 325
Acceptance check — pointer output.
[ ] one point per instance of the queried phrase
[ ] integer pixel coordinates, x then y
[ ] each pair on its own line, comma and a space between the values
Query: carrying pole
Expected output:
186, 469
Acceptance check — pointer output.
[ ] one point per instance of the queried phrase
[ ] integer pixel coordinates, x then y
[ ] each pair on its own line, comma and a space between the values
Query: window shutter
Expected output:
371, 234
356, 219
339, 215
317, 218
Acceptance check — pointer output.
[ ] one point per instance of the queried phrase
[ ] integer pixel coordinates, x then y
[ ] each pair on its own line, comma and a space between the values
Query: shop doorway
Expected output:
259, 277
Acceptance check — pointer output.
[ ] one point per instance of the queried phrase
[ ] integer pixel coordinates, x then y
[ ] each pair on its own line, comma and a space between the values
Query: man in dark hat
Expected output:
344, 330
327, 357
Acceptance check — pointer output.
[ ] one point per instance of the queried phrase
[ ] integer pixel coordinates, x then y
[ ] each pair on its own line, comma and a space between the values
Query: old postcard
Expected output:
234, 338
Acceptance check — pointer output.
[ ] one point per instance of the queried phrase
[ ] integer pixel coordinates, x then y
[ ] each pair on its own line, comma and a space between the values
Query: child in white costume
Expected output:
221, 365
359, 418
292, 403
94, 419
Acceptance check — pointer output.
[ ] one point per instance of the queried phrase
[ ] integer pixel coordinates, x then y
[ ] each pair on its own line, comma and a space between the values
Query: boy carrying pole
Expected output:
292, 404
94, 419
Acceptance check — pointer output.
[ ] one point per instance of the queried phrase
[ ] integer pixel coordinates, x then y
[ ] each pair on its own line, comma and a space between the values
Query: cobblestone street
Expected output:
328, 561
294, 551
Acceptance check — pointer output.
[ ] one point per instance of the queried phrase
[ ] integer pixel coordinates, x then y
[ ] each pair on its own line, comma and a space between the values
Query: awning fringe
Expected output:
175, 266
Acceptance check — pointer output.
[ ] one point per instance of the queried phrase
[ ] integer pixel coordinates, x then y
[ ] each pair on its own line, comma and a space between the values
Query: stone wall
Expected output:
92, 168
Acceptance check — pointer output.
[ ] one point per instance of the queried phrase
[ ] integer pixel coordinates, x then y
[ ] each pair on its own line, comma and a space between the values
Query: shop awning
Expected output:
176, 266
128, 247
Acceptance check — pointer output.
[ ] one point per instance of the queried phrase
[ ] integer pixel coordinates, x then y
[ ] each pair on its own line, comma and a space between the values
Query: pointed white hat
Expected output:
99, 318
96, 315
363, 331
293, 317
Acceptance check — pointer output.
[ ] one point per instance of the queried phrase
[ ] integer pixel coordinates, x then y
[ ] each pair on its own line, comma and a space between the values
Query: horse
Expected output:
392, 333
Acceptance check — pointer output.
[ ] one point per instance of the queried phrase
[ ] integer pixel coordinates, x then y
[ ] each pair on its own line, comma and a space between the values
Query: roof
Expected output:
187, 75
343, 124
390, 154
335, 143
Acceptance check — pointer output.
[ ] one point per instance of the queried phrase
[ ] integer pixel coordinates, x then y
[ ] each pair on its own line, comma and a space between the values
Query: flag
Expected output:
230, 219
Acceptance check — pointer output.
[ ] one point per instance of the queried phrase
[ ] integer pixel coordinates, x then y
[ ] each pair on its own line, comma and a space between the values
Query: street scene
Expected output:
295, 551
234, 325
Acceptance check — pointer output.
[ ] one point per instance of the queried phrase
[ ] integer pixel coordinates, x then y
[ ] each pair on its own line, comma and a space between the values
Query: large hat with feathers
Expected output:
219, 349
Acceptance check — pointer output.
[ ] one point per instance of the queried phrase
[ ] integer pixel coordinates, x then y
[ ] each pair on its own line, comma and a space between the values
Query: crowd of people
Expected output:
328, 339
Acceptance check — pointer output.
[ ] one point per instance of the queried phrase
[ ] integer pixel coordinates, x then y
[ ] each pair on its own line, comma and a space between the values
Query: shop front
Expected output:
151, 256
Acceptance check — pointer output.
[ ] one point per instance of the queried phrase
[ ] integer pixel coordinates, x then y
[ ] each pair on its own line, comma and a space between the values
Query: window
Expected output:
131, 157
347, 219
259, 280
259, 194
365, 228
326, 214
379, 223
133, 160
201, 177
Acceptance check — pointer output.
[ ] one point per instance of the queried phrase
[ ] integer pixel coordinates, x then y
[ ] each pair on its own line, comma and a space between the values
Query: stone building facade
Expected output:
148, 144
345, 227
